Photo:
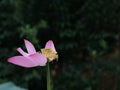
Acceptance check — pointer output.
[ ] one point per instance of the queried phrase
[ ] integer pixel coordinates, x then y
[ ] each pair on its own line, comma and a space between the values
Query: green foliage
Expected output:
29, 32
83, 31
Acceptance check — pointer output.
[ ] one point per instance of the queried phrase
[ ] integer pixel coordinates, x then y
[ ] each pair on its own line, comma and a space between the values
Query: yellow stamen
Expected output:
49, 53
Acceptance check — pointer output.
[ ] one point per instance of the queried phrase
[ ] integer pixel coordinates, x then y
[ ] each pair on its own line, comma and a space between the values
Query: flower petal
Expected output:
39, 59
21, 61
50, 45
29, 46
22, 52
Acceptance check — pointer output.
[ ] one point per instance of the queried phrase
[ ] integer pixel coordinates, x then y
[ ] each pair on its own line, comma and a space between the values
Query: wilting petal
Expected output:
29, 46
22, 52
50, 45
21, 61
39, 59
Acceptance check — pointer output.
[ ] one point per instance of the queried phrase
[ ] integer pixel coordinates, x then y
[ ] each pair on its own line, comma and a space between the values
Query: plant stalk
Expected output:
48, 77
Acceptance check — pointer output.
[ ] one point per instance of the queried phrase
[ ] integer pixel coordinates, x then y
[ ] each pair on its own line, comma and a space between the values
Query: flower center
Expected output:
49, 53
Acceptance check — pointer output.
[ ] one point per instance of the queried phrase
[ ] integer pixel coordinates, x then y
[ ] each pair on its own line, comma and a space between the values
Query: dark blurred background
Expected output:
86, 34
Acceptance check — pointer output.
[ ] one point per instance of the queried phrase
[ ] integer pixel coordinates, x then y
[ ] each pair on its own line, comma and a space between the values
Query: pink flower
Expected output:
30, 59
33, 58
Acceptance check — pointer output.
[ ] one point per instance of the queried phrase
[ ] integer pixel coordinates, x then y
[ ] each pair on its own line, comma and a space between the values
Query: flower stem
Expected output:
48, 77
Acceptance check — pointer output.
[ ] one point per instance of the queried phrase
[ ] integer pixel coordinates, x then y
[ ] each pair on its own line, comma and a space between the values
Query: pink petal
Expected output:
21, 61
39, 59
29, 46
22, 52
50, 45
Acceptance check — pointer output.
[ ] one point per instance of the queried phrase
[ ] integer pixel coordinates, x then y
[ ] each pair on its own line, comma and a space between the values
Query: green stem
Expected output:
48, 77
